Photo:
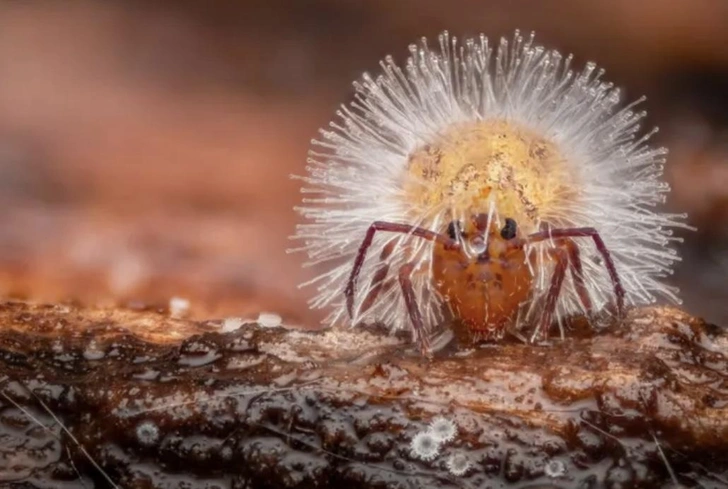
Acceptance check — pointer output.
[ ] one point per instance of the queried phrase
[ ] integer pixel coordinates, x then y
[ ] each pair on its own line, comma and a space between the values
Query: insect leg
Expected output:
557, 280
577, 273
418, 326
377, 283
367, 242
601, 248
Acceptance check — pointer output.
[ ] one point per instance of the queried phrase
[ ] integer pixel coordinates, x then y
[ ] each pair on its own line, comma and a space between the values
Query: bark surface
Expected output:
137, 399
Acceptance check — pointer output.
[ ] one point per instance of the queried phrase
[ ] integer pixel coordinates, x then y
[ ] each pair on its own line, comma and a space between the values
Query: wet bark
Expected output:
137, 399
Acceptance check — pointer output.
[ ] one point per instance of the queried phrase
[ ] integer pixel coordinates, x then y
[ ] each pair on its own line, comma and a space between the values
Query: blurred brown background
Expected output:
145, 147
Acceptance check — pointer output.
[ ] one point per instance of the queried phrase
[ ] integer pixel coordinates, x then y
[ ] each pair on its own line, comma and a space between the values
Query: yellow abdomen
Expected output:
472, 164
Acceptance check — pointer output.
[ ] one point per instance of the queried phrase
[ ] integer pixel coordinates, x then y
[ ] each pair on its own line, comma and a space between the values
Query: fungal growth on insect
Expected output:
493, 187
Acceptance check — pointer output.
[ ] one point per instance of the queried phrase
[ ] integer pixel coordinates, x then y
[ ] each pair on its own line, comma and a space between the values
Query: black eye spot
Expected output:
454, 230
509, 230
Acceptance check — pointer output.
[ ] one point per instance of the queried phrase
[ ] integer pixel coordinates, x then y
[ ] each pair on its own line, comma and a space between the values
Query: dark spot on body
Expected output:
509, 229
454, 230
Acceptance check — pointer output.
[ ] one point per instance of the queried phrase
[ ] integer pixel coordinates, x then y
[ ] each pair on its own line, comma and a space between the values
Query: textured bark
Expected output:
154, 401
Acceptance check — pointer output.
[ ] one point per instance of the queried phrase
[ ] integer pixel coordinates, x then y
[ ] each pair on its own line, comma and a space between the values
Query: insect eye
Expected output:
509, 230
453, 230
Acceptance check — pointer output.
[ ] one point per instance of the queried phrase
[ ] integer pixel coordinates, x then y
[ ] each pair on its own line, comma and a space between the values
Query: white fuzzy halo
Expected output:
443, 429
424, 446
355, 169
458, 464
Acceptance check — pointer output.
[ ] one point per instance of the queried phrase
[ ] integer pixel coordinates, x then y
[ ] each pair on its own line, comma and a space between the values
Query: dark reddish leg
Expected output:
375, 287
577, 273
367, 242
377, 283
601, 248
557, 280
418, 326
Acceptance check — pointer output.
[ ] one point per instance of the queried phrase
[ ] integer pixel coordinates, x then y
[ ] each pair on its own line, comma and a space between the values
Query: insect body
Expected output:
494, 183
480, 266
486, 278
485, 288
